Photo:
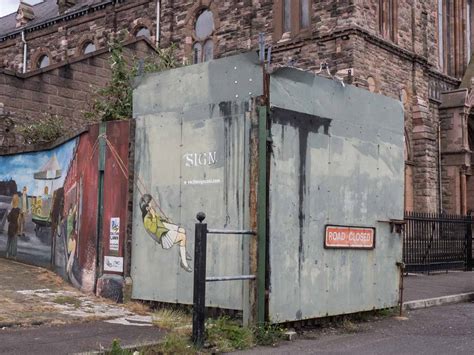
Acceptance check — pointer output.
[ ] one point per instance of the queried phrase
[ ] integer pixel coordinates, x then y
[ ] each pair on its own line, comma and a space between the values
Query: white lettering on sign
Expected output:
200, 159
349, 237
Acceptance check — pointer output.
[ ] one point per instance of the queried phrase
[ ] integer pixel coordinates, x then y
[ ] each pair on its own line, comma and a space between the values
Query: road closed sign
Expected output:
349, 237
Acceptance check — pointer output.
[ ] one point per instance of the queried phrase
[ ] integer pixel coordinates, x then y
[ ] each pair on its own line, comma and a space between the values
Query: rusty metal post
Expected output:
199, 287
401, 265
262, 214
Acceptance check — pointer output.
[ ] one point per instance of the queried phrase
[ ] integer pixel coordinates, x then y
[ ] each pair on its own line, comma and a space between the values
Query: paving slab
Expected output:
426, 286
31, 296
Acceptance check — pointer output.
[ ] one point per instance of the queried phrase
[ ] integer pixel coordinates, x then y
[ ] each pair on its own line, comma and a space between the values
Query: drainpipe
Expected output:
440, 183
158, 22
25, 49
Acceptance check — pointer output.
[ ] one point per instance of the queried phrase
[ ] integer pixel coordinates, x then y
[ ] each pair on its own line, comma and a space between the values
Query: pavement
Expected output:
424, 286
447, 329
40, 311
74, 338
31, 296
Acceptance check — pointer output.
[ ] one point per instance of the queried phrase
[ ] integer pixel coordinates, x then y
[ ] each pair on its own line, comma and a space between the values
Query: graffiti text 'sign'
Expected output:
200, 159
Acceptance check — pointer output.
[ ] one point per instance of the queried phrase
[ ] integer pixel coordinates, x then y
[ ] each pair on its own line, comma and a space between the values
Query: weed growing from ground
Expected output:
268, 334
68, 300
224, 335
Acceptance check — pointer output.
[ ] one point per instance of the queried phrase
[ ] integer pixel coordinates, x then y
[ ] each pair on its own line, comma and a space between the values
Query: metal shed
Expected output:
334, 159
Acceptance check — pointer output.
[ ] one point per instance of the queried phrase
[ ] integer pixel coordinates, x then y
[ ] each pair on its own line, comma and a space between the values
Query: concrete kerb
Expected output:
438, 301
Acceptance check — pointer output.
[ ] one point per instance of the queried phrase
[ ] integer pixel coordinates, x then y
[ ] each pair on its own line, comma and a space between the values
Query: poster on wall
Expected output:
114, 234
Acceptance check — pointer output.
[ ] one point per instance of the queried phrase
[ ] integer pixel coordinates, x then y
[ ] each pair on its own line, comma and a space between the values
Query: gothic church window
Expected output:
203, 47
388, 19
291, 18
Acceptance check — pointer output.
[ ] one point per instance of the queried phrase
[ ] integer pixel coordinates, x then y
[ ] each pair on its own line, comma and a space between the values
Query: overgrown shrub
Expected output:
46, 129
114, 101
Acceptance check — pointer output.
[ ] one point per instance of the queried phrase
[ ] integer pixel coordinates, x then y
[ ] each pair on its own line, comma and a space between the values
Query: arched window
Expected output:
203, 47
89, 47
143, 31
43, 61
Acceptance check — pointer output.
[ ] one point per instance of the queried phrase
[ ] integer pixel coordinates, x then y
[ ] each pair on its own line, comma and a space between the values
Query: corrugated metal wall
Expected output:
191, 155
337, 159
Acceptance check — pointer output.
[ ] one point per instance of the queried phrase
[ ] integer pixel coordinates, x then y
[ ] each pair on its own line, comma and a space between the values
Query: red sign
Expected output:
349, 237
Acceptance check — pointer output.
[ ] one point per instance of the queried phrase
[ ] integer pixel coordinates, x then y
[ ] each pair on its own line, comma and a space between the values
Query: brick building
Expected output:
414, 51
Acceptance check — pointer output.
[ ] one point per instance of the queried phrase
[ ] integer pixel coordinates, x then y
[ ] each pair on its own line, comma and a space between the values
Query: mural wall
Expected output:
49, 207
32, 210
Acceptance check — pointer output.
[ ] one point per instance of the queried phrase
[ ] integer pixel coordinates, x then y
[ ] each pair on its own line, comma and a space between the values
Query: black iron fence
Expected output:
437, 242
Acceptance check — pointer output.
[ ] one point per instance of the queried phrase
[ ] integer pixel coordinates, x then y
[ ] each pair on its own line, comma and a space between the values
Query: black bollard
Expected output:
199, 289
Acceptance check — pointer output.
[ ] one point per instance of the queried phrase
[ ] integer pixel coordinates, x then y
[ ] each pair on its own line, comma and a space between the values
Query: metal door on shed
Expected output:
337, 159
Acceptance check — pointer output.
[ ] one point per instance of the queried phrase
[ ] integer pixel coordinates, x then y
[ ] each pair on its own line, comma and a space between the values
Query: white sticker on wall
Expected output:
113, 263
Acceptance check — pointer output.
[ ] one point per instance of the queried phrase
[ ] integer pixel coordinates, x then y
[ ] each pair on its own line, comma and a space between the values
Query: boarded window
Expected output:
388, 19
454, 35
292, 18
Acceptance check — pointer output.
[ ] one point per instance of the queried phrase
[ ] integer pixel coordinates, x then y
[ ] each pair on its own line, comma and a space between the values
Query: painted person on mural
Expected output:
13, 218
165, 232
24, 210
71, 237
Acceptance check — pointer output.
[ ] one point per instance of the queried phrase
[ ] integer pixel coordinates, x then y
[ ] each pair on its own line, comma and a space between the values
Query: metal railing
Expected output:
200, 278
437, 242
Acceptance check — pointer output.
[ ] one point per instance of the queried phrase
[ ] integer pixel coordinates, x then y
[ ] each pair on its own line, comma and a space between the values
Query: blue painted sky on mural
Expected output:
22, 167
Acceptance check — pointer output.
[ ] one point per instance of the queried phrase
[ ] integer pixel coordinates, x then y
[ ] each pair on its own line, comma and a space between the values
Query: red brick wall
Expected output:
65, 89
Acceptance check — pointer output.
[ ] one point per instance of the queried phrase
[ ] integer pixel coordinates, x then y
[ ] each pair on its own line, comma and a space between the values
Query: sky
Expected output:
9, 6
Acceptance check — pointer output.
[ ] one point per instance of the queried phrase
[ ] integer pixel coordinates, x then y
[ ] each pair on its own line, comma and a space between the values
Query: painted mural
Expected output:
49, 203
32, 203
163, 230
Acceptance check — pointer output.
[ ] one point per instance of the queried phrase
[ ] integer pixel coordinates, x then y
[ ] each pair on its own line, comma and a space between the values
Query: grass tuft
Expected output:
226, 335
68, 300
171, 319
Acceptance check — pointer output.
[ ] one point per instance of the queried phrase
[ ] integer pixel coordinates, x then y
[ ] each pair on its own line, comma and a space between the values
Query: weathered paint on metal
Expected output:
262, 212
337, 159
116, 188
192, 135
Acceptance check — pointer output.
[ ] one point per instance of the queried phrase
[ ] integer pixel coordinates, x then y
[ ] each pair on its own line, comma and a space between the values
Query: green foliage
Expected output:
114, 101
117, 349
46, 129
175, 344
225, 335
268, 334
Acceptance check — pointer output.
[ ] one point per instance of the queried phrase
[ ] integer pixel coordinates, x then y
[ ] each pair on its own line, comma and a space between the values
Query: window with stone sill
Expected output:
291, 18
203, 46
42, 62
388, 19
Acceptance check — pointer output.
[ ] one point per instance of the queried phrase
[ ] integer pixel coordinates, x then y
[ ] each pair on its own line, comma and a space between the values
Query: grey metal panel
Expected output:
192, 110
235, 78
352, 175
